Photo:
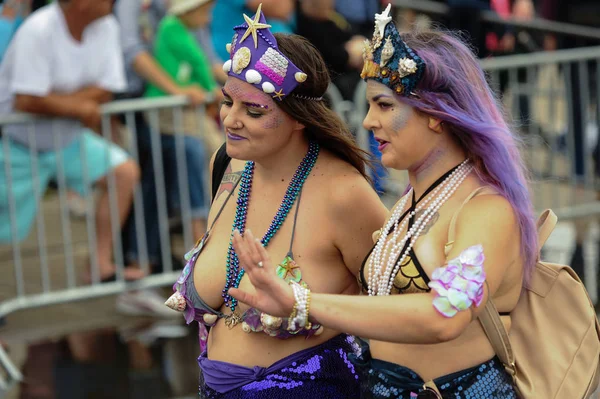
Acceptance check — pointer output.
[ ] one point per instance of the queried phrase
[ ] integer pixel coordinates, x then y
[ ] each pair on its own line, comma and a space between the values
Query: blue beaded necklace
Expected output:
234, 273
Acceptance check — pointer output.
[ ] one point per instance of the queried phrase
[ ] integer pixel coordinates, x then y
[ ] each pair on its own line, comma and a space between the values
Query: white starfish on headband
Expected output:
254, 26
381, 20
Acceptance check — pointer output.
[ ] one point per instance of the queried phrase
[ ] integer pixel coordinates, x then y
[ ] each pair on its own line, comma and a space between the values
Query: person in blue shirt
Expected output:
12, 14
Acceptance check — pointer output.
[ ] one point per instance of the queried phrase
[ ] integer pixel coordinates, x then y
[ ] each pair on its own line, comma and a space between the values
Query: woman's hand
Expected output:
273, 295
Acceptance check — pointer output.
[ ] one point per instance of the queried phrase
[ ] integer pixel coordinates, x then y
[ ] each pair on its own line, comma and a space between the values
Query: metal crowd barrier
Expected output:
554, 100
47, 267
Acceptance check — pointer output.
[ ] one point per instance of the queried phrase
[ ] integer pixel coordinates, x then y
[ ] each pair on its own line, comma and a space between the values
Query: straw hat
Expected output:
179, 7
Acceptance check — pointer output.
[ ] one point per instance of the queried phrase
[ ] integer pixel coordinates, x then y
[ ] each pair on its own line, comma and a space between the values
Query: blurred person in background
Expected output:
139, 20
64, 62
338, 29
12, 14
178, 53
488, 39
281, 15
514, 40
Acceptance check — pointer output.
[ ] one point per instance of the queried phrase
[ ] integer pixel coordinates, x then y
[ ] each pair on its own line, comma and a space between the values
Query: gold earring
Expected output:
436, 125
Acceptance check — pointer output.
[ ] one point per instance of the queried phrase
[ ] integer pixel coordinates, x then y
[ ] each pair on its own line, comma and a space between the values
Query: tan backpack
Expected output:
553, 349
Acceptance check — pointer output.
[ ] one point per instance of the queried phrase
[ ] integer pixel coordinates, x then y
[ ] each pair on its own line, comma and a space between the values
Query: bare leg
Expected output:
92, 346
140, 356
127, 176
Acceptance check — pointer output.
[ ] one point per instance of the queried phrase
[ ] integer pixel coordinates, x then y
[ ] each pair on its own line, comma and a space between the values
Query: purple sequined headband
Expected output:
256, 59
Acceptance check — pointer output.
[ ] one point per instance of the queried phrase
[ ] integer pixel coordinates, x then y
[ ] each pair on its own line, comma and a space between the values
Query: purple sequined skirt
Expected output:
323, 371
381, 379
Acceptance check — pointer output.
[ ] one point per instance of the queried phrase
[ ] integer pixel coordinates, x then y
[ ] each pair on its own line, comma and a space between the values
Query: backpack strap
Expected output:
220, 164
496, 332
490, 318
452, 227
545, 225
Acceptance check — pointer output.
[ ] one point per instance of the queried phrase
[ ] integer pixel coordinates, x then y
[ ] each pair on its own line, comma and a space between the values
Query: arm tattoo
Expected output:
229, 181
434, 218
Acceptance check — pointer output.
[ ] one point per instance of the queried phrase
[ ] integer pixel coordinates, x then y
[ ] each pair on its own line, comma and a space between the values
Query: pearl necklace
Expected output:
384, 244
394, 219
381, 280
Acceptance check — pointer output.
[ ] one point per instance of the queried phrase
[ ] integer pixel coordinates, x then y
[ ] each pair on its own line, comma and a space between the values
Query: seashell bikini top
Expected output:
187, 300
411, 278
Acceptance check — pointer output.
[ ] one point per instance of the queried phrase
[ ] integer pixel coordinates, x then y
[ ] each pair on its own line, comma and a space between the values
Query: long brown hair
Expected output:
322, 124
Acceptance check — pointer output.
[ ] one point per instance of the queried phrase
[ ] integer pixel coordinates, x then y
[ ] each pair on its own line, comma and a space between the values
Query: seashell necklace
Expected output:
390, 247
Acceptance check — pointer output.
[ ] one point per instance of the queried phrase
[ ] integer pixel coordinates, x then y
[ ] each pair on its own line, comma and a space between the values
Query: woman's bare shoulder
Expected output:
347, 191
489, 219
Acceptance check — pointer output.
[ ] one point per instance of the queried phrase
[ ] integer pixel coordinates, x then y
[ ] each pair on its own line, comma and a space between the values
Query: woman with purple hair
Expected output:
463, 232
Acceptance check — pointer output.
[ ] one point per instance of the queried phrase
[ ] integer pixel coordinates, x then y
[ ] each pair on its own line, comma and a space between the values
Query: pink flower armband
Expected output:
460, 283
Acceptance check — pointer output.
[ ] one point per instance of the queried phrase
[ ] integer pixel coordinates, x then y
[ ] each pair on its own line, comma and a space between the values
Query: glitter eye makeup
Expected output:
255, 105
258, 105
237, 91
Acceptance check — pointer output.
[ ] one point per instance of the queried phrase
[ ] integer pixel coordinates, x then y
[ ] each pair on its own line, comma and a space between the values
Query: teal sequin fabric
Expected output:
385, 380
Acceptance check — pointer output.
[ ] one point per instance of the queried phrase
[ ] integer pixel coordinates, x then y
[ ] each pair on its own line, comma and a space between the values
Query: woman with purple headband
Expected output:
463, 232
291, 172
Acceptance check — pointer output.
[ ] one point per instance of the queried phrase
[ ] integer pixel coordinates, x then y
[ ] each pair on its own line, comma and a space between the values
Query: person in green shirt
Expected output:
179, 54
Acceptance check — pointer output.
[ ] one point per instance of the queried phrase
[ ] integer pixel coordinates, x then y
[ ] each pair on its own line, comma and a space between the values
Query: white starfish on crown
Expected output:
381, 20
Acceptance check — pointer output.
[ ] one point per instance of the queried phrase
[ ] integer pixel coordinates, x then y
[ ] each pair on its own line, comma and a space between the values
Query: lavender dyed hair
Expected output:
454, 90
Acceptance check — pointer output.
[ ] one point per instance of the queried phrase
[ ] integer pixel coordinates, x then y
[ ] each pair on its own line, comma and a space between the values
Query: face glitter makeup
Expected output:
255, 105
399, 113
274, 119
401, 116
238, 91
